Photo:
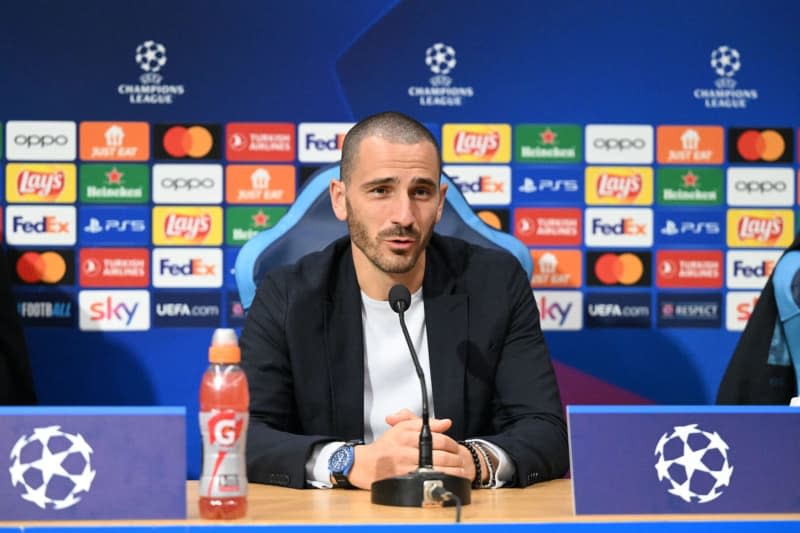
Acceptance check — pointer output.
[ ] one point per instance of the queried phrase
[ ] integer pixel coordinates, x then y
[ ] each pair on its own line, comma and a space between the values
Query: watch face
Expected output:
341, 460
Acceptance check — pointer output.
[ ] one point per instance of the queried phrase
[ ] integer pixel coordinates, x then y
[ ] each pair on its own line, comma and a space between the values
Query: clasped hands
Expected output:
396, 452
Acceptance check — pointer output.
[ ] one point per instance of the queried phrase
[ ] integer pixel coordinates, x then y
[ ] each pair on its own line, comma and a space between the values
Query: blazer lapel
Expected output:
344, 348
446, 320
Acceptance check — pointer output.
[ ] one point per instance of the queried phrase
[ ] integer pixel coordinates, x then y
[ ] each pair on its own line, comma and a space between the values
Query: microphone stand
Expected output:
423, 486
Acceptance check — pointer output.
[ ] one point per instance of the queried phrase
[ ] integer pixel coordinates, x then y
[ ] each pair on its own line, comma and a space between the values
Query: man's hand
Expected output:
396, 452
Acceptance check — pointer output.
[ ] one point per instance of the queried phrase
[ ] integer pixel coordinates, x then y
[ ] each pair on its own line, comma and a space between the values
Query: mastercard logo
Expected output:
769, 145
44, 267
187, 141
618, 269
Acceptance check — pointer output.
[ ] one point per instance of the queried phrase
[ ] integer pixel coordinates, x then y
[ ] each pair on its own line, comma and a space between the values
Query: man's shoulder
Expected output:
313, 270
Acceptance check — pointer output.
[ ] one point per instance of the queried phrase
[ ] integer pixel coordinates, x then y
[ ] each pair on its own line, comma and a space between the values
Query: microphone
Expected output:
424, 486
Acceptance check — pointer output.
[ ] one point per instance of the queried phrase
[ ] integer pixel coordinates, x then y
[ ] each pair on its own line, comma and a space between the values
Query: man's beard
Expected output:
390, 262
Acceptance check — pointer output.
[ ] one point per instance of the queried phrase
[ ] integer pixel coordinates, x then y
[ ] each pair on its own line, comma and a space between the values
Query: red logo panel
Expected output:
689, 269
114, 267
260, 141
548, 226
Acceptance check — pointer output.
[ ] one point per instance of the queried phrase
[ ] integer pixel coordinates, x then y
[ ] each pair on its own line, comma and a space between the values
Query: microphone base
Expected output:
409, 490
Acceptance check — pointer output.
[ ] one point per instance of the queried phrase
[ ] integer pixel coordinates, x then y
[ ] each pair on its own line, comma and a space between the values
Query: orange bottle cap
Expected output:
224, 347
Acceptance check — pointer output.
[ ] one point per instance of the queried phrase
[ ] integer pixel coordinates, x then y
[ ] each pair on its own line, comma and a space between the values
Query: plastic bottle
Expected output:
224, 414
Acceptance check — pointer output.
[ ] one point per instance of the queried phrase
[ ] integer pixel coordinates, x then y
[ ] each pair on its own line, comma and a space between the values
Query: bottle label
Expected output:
224, 438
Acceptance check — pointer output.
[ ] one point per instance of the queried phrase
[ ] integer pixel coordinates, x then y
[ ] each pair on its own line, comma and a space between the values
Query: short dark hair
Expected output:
390, 125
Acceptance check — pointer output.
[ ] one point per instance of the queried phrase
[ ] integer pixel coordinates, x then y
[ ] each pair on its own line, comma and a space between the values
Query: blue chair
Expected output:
785, 345
310, 225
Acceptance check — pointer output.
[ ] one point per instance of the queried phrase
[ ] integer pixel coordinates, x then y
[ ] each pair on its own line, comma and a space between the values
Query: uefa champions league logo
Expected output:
726, 62
151, 56
51, 468
694, 463
441, 59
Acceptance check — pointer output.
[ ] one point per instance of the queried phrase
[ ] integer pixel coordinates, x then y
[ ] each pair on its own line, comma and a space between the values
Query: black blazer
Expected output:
16, 381
302, 350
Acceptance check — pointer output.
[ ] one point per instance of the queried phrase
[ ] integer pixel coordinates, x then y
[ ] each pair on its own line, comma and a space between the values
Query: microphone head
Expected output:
399, 298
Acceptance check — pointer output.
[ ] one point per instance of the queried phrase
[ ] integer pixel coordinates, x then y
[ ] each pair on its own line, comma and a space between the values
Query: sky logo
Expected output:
560, 310
114, 310
114, 225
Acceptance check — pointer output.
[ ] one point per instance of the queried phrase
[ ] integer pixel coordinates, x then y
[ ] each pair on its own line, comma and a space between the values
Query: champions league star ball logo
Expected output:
151, 56
694, 462
51, 468
726, 61
440, 58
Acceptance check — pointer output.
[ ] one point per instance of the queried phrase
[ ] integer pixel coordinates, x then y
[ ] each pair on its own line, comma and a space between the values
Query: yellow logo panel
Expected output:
52, 183
476, 143
619, 185
760, 228
187, 226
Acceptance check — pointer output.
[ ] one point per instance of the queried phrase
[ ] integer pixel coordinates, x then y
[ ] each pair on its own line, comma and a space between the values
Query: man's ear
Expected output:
442, 195
337, 190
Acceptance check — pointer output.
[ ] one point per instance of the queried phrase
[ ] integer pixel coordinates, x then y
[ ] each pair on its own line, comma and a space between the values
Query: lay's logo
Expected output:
32, 183
187, 226
476, 143
619, 185
753, 228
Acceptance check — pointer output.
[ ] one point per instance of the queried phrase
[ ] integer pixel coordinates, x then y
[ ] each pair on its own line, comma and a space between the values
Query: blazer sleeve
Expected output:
16, 380
528, 415
276, 451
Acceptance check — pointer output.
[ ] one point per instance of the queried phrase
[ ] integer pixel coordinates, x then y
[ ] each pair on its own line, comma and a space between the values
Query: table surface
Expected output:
544, 502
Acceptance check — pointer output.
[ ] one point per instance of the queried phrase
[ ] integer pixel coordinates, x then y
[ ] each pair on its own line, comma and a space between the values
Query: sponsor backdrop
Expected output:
652, 176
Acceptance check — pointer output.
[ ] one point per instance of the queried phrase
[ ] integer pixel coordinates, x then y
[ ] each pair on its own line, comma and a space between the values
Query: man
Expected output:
334, 396
16, 382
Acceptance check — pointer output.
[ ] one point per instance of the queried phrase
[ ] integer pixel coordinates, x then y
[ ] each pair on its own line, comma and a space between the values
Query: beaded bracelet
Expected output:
476, 482
489, 466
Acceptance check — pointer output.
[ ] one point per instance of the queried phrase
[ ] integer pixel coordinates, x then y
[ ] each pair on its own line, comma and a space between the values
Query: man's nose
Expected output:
402, 212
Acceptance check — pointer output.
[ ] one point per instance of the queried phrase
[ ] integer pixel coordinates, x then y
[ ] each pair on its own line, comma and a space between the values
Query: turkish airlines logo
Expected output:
187, 141
187, 226
621, 269
619, 144
619, 185
560, 310
187, 267
476, 143
260, 141
187, 184
689, 269
748, 186
750, 270
114, 267
760, 145
739, 307
548, 226
41, 141
38, 183
42, 226
114, 310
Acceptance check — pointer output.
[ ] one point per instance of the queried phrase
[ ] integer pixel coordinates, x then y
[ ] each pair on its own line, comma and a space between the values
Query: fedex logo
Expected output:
114, 310
748, 269
619, 227
560, 310
321, 142
187, 267
482, 184
739, 306
46, 225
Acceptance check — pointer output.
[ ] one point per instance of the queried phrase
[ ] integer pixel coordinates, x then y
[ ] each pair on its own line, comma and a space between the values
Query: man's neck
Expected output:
376, 284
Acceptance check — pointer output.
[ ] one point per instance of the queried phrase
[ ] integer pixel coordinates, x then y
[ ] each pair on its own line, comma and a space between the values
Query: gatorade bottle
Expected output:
224, 402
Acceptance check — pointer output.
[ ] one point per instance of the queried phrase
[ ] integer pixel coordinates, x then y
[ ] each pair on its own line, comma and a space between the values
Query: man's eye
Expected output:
423, 193
379, 190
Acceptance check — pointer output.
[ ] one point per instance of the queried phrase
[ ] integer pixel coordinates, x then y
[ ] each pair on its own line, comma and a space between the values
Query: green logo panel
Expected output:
548, 143
244, 223
689, 186
114, 183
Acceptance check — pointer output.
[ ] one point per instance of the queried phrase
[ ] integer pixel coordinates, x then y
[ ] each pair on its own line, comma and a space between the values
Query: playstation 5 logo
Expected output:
112, 224
670, 228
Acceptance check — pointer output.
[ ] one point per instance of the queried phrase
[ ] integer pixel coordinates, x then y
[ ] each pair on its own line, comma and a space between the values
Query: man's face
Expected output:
392, 202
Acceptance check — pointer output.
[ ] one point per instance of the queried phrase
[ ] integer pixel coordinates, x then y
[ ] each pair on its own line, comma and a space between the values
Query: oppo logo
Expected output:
621, 144
187, 183
760, 186
40, 140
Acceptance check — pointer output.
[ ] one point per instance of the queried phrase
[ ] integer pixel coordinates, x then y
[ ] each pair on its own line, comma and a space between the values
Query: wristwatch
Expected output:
341, 462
